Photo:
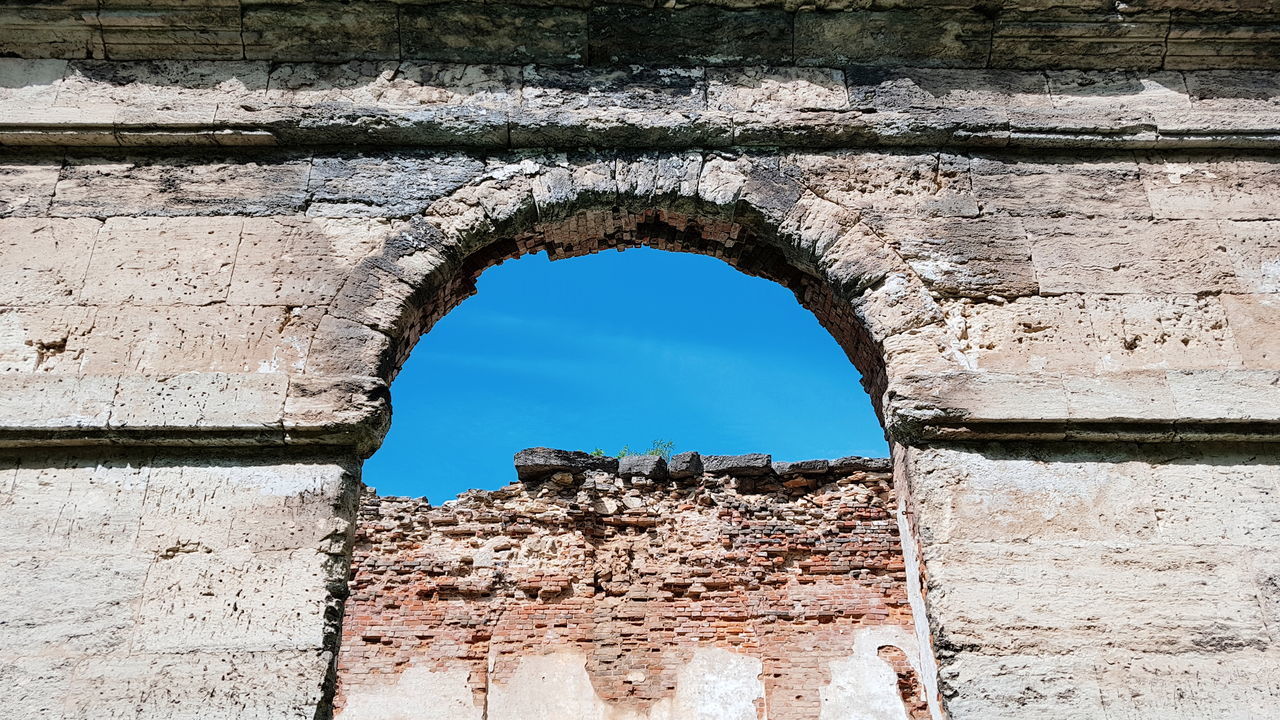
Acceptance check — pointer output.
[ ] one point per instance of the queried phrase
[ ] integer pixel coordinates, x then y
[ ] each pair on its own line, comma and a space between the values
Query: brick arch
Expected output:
743, 211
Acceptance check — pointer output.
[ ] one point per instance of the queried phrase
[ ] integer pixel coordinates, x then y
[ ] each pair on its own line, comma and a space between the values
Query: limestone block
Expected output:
57, 506
1123, 256
1162, 331
1217, 187
244, 503
1234, 90
1158, 598
37, 402
47, 340
892, 183
621, 34
1226, 45
896, 37
776, 90
178, 186
199, 600
27, 184
96, 595
1025, 186
343, 347
471, 34
37, 684
50, 31
300, 261
219, 685
1076, 39
890, 89
1120, 94
321, 30
167, 84
1118, 396
393, 83
635, 107
30, 82
1019, 686
1252, 322
1254, 250
45, 260
386, 186
208, 400
162, 261
216, 338
978, 257
1238, 395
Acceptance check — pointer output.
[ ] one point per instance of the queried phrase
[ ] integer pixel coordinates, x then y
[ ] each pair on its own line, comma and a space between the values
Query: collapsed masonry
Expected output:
634, 589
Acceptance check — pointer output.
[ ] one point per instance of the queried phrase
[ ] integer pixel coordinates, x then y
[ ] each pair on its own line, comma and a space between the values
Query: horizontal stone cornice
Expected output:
193, 409
237, 104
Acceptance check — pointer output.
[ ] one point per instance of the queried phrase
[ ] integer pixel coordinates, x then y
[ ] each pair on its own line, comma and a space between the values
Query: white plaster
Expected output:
418, 693
863, 686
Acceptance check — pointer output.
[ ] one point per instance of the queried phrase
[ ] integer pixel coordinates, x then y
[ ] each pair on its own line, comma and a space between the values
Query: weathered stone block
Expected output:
45, 259
929, 38
534, 464
321, 31
457, 32
747, 465
698, 35
162, 261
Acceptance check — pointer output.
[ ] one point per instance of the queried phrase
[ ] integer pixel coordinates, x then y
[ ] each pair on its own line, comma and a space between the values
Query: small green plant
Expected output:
661, 448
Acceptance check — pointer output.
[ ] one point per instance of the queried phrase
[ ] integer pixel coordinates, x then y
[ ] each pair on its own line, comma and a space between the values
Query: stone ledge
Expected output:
195, 409
246, 104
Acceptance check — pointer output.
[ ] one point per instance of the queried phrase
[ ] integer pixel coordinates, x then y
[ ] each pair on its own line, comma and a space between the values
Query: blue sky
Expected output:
614, 349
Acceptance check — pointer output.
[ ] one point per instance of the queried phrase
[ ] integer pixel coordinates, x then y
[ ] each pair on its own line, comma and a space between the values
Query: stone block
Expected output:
977, 258
903, 89
201, 400
894, 37
749, 465
1077, 40
321, 31
1127, 256
45, 259
27, 184
1253, 249
465, 33
181, 186
533, 464
698, 35
653, 467
776, 89
1219, 187
1057, 186
300, 261
801, 467
685, 465
162, 261
1252, 323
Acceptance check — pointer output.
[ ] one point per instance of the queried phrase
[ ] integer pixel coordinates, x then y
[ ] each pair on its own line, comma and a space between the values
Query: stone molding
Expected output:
492, 107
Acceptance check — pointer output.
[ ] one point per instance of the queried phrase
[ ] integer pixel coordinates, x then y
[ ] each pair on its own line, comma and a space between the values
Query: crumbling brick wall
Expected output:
795, 569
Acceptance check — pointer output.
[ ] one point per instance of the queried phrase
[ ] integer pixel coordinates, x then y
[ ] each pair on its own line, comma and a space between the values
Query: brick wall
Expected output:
629, 574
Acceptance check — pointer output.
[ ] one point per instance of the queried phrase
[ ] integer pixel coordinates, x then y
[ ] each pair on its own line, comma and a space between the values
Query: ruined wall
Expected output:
726, 591
231, 246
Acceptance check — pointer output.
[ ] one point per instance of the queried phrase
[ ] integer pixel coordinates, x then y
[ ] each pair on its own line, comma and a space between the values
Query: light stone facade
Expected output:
1047, 233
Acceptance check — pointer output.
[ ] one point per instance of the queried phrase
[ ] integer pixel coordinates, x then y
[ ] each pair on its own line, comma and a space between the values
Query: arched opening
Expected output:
624, 352
601, 587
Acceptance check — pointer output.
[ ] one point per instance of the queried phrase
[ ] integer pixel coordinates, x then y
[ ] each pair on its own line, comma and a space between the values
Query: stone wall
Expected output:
1051, 225
726, 587
177, 584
